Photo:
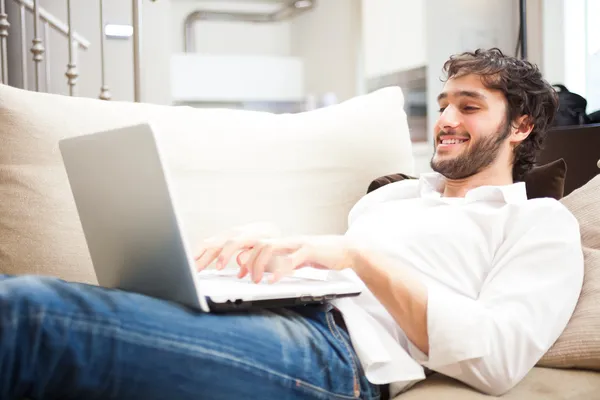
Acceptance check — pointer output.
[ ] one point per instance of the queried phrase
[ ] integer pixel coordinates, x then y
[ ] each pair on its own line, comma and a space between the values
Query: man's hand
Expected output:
281, 256
237, 239
399, 290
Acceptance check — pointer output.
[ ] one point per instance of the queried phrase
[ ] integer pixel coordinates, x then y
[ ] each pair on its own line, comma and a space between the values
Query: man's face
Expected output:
472, 128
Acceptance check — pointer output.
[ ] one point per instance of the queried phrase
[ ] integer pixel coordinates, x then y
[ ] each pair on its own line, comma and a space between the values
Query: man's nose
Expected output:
449, 118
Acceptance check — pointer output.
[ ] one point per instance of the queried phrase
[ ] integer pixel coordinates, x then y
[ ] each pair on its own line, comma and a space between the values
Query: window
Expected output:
593, 55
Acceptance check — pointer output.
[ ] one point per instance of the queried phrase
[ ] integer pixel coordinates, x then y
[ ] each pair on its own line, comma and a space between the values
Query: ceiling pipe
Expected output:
290, 9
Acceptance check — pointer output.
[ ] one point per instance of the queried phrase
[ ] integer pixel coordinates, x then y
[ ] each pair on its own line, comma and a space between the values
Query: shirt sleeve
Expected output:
493, 341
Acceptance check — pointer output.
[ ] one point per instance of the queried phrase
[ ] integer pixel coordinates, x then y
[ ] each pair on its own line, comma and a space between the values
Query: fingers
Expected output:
260, 261
278, 274
266, 255
242, 259
291, 262
256, 259
242, 273
299, 258
223, 246
206, 257
255, 256
230, 248
221, 251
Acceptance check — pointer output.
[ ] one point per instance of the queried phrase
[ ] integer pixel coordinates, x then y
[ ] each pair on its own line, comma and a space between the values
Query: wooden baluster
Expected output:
4, 25
47, 60
38, 48
22, 15
104, 92
71, 73
137, 48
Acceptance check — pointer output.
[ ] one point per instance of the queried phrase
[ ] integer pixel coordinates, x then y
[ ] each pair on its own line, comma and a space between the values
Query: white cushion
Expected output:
303, 171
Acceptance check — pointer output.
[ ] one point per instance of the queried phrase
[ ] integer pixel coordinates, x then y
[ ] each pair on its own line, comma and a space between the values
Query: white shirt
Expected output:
503, 275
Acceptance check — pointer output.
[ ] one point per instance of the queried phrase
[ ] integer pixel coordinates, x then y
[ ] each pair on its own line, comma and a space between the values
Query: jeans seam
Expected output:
333, 328
77, 321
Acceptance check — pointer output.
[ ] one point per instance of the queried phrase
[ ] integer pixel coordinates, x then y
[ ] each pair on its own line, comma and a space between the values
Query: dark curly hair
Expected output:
526, 92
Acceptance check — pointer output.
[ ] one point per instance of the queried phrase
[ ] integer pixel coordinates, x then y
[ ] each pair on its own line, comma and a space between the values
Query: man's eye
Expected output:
470, 108
442, 109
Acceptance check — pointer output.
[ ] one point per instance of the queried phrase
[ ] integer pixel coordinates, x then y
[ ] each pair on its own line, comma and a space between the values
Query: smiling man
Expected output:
494, 111
464, 108
462, 273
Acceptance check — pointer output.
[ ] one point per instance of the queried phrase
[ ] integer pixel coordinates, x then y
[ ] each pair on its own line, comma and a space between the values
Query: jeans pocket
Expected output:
362, 388
342, 338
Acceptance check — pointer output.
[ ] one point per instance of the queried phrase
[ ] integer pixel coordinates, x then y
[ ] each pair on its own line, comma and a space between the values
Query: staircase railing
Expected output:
40, 48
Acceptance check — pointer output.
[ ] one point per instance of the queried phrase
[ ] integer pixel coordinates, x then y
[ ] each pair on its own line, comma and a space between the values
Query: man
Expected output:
463, 275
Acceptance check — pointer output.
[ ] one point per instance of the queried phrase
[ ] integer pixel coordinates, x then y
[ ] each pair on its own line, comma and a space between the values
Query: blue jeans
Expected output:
62, 340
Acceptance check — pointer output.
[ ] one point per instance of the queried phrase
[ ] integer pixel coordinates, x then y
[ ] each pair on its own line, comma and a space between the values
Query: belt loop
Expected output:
339, 319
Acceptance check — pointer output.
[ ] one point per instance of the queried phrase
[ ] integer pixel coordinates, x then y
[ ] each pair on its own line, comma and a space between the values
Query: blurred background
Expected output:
292, 55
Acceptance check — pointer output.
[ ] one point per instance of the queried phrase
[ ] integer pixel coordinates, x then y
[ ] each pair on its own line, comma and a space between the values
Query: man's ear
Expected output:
522, 127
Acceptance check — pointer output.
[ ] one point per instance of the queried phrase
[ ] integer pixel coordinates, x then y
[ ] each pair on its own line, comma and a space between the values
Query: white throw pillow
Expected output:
303, 171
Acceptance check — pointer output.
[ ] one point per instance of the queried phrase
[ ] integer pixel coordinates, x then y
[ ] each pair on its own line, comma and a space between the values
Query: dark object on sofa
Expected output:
547, 180
543, 181
571, 108
384, 180
579, 146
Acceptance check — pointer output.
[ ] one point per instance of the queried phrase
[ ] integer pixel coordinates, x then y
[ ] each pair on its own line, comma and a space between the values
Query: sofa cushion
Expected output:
547, 180
304, 171
579, 344
539, 384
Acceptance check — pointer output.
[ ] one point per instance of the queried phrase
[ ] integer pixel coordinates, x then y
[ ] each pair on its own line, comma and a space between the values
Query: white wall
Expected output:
233, 61
572, 47
394, 35
156, 49
553, 40
328, 40
461, 25
221, 37
395, 32
575, 46
535, 32
593, 55
201, 78
118, 53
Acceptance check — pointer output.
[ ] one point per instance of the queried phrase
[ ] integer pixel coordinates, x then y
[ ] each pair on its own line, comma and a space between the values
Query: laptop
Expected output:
129, 217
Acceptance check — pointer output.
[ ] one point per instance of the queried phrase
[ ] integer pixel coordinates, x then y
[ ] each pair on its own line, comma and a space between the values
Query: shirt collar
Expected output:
431, 185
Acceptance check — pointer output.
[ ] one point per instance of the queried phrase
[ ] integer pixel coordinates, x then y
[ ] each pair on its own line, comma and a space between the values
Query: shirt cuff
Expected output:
458, 329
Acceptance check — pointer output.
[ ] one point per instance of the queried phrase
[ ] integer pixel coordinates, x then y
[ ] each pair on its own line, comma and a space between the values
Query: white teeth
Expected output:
453, 141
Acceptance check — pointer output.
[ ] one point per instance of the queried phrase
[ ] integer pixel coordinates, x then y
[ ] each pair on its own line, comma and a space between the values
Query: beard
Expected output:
476, 158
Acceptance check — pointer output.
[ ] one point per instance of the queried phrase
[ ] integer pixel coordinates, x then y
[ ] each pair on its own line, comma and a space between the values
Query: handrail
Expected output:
56, 23
41, 45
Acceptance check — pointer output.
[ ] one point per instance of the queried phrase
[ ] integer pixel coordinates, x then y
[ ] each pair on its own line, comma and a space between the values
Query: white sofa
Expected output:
302, 171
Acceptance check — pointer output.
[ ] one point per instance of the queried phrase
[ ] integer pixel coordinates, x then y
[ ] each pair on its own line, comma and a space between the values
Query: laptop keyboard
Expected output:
231, 275
225, 285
